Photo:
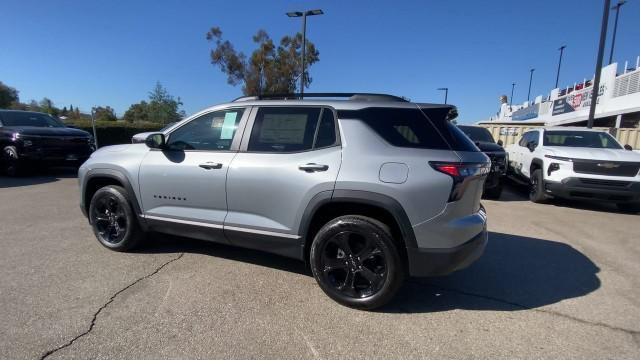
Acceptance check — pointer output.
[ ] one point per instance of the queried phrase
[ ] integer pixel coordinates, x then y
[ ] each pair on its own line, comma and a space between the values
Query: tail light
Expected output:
461, 174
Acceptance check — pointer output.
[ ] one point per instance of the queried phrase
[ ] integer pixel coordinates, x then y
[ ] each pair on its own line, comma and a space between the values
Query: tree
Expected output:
104, 113
8, 96
162, 108
47, 106
137, 112
270, 69
64, 111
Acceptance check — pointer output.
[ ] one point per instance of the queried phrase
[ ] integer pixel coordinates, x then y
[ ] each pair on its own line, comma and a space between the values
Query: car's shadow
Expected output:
37, 177
515, 273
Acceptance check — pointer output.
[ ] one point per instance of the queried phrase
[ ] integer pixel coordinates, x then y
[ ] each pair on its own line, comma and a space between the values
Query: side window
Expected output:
284, 129
534, 136
524, 139
212, 131
326, 130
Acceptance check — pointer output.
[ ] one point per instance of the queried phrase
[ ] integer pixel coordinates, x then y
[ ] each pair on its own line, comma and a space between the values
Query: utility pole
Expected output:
559, 63
615, 27
596, 81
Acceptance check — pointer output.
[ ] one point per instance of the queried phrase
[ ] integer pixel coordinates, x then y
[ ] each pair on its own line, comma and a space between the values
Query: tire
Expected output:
356, 262
113, 220
629, 207
536, 191
11, 161
494, 192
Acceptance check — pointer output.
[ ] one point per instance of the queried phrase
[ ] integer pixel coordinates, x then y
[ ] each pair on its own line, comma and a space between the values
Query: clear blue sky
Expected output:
87, 52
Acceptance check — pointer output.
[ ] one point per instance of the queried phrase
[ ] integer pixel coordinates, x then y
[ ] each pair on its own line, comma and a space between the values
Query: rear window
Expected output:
413, 128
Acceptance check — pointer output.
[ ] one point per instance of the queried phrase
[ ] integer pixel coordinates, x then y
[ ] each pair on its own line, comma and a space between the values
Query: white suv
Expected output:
577, 163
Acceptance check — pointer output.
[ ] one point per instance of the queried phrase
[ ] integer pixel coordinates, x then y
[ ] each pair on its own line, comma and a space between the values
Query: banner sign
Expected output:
527, 113
575, 101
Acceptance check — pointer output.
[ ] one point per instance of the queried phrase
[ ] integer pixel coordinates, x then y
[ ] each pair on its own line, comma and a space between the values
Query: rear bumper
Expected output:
595, 189
442, 261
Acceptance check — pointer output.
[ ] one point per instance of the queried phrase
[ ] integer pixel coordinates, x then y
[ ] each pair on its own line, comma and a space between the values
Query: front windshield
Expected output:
476, 133
18, 118
588, 139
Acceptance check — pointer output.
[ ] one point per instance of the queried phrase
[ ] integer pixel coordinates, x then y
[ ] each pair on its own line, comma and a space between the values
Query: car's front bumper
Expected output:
434, 262
595, 189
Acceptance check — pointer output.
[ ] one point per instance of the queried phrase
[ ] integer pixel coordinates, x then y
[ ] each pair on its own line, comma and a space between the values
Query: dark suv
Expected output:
27, 136
499, 158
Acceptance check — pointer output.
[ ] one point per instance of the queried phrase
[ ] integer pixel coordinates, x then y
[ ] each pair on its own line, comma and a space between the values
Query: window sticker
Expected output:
283, 128
228, 126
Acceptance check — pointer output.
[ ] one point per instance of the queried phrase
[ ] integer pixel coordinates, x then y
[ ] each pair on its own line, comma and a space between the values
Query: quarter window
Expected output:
288, 129
213, 131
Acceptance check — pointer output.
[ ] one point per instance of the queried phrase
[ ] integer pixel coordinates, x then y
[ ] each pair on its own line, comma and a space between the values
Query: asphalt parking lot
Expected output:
557, 281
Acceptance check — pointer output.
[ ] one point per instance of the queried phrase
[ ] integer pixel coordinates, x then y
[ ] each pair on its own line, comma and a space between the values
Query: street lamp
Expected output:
596, 80
530, 79
513, 86
615, 27
304, 15
559, 63
446, 93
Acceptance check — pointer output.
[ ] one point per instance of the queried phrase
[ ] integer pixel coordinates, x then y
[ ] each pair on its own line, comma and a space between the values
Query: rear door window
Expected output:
284, 129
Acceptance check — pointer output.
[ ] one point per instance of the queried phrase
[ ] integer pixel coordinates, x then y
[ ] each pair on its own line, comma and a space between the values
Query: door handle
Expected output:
210, 165
312, 167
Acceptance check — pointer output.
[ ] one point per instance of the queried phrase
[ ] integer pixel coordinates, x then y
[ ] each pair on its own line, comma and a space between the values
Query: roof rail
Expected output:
349, 96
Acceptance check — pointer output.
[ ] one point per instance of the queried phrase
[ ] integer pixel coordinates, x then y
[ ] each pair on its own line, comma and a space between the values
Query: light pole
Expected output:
530, 80
304, 15
596, 80
446, 93
559, 63
615, 27
513, 86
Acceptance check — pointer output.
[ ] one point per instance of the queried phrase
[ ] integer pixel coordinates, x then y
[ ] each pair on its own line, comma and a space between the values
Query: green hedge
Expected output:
113, 133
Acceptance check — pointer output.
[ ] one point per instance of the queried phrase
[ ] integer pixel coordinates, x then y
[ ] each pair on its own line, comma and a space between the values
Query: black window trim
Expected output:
244, 145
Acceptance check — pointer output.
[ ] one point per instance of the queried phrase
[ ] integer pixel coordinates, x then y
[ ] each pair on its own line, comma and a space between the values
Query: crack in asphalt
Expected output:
634, 333
104, 306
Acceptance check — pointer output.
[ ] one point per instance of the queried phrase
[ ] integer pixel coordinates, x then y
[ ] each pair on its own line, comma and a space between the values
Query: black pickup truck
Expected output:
499, 161
35, 138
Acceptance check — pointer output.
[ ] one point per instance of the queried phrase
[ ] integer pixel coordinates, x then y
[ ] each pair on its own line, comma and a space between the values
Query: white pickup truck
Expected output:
577, 163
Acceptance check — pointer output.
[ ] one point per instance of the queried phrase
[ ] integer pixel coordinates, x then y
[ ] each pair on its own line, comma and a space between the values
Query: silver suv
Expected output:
365, 188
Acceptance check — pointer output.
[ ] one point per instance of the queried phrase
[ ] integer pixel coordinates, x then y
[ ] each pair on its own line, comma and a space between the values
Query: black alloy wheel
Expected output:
353, 264
113, 221
110, 219
355, 261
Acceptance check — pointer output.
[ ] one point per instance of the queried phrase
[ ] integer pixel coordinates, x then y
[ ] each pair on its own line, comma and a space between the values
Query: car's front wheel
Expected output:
536, 191
11, 160
355, 261
114, 223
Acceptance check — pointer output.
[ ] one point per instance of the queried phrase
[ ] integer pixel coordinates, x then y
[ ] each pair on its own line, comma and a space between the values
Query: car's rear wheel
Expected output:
536, 190
11, 161
355, 261
114, 223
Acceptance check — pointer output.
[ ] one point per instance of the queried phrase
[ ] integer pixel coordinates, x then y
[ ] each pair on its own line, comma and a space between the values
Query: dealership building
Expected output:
618, 102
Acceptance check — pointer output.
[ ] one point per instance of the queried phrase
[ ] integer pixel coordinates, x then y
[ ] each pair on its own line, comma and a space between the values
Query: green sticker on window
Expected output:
228, 126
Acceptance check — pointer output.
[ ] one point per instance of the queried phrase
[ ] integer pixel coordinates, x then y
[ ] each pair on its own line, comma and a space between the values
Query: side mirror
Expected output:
628, 147
155, 141
500, 142
531, 146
